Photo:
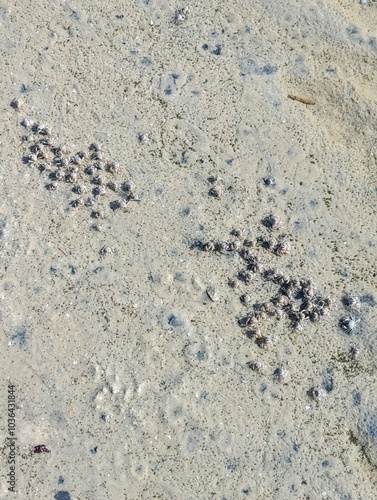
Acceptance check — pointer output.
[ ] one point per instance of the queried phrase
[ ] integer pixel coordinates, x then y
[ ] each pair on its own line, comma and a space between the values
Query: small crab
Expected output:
71, 176
222, 246
77, 159
280, 374
80, 189
272, 222
143, 137
282, 248
235, 246
209, 246
317, 394
181, 15
129, 187
78, 203
106, 251
59, 175
99, 191
266, 243
351, 302
95, 146
97, 155
17, 104
348, 324
216, 192
99, 180
123, 203
256, 366
113, 167
114, 186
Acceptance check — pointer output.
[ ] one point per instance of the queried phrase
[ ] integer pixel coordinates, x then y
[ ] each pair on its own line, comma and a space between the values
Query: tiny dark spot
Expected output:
368, 299
185, 211
352, 30
175, 76
174, 321
268, 69
217, 50
356, 397
145, 62
328, 384
20, 338
24, 88
72, 269
119, 16
158, 191
114, 205
53, 270
184, 159
168, 90
231, 464
60, 480
325, 463
296, 447
205, 46
201, 356
204, 396
94, 450
58, 416
372, 427
229, 161
281, 433
245, 491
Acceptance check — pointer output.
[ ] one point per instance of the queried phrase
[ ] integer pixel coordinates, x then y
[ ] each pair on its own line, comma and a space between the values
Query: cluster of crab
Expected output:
90, 178
295, 299
277, 246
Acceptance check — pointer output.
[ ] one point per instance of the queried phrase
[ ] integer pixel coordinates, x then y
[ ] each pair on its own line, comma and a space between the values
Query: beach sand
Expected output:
120, 335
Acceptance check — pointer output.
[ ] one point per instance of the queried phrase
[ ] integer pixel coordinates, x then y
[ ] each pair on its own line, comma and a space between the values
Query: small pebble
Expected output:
256, 366
280, 374
213, 294
245, 298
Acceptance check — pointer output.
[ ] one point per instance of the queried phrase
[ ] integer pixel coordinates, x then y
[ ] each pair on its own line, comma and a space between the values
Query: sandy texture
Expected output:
129, 364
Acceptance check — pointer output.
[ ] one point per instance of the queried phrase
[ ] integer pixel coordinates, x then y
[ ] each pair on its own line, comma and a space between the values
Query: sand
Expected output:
123, 344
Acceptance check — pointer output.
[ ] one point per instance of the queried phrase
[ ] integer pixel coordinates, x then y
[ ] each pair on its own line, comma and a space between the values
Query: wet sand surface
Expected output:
134, 359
